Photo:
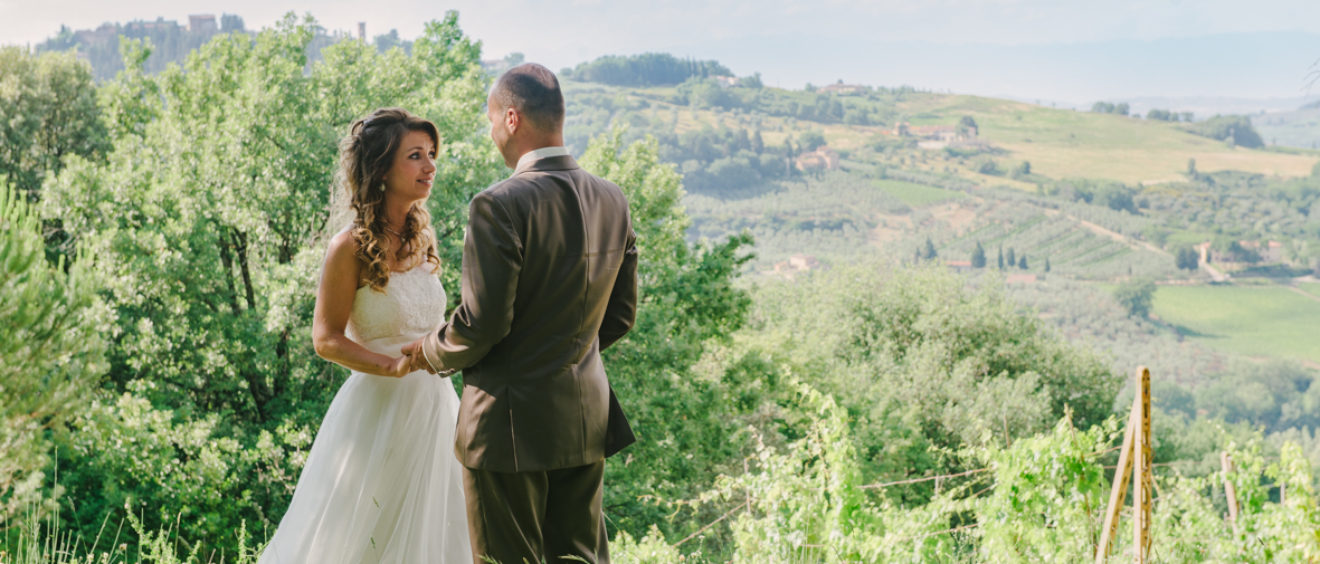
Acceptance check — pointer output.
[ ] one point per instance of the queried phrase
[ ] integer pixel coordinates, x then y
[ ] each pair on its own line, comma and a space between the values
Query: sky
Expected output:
1063, 51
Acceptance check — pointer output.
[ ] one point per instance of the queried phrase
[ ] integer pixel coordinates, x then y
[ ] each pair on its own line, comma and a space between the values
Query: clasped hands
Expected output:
413, 359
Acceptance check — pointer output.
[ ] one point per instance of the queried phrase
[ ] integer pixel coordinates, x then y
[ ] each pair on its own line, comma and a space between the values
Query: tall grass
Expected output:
35, 539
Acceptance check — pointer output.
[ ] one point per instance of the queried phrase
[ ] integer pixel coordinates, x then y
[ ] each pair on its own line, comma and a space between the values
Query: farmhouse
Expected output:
844, 89
726, 81
795, 264
959, 265
1019, 279
1268, 252
823, 158
935, 136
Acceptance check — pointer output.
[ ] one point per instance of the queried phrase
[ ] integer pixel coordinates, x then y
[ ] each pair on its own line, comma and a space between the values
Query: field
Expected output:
1255, 321
1067, 143
1312, 288
916, 195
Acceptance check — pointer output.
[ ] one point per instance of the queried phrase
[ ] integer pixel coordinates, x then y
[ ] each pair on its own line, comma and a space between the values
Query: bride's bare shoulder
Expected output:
341, 255
341, 243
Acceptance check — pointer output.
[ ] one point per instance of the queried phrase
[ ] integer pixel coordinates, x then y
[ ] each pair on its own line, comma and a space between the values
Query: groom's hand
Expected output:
418, 362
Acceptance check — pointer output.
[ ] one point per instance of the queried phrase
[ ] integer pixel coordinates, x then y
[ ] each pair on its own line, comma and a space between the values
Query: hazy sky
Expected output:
1076, 50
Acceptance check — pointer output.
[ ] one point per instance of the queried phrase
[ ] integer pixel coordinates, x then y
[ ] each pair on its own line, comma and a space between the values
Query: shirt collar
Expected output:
543, 153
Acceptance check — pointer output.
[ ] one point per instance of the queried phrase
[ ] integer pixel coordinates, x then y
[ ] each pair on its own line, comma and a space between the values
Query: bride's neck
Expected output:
396, 215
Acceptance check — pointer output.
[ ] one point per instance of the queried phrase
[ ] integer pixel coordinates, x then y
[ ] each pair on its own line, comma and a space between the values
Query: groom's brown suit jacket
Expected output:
549, 281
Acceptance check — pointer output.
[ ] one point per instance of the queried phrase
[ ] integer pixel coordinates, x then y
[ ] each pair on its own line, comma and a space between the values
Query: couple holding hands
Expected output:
403, 471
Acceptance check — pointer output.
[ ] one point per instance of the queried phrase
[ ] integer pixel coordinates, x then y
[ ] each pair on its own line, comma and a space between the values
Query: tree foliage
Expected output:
647, 69
1236, 130
48, 110
978, 256
52, 350
1135, 296
688, 303
206, 219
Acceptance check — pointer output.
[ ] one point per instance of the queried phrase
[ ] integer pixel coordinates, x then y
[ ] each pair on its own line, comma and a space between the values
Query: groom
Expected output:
549, 281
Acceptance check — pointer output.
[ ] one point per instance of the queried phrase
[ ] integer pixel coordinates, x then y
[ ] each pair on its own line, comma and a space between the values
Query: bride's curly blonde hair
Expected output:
365, 156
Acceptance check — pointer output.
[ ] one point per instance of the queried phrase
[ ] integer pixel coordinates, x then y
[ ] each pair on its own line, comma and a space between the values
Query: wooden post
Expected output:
1118, 493
1142, 481
1135, 452
1230, 492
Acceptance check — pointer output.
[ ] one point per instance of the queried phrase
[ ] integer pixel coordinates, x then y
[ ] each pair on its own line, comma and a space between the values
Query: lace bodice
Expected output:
411, 305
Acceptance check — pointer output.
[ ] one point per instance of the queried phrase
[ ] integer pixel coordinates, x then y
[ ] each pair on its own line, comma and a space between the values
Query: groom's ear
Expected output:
512, 120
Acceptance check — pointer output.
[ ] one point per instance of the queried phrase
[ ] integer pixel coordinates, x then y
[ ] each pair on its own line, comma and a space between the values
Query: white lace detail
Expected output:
411, 305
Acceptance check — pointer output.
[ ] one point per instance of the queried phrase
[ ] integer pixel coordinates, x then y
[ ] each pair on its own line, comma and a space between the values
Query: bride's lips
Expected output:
426, 181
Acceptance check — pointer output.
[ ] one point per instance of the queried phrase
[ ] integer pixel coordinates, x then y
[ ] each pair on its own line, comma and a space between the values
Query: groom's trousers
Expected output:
534, 517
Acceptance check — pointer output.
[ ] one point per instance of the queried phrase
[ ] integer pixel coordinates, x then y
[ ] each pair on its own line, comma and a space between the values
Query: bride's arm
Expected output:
334, 304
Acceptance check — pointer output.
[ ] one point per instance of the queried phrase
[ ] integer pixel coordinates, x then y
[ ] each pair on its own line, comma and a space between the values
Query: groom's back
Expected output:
539, 398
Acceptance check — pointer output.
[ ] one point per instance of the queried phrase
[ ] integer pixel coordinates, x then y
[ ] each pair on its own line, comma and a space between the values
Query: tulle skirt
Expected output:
381, 483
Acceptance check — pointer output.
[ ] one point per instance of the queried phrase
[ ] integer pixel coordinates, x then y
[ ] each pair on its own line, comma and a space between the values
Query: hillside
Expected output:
1087, 196
1058, 143
1298, 128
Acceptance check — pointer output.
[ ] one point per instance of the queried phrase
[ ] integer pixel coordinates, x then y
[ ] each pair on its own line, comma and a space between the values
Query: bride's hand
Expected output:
401, 367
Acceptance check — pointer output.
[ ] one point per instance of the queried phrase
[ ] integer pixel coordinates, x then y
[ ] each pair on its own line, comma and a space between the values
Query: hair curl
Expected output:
365, 157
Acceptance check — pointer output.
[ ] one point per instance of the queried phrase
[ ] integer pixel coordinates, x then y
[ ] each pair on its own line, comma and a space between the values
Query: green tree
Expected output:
1135, 296
1001, 257
1236, 130
978, 256
924, 365
1023, 170
811, 140
48, 111
1010, 258
1022, 261
928, 251
690, 302
967, 126
646, 69
52, 341
1187, 258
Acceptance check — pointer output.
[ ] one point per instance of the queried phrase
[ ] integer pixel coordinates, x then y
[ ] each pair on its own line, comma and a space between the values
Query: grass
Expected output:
916, 195
1312, 288
1067, 143
1255, 321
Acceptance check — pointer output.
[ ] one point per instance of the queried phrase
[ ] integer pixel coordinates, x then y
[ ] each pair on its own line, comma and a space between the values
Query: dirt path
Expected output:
1215, 274
1121, 238
1303, 293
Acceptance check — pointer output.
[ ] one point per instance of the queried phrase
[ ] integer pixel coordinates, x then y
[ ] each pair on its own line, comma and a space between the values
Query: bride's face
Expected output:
413, 169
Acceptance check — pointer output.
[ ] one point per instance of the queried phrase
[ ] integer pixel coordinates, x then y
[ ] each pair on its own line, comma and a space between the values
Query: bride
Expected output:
381, 483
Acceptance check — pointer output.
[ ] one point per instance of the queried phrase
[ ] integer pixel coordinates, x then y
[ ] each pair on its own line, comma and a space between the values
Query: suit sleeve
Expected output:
492, 261
621, 312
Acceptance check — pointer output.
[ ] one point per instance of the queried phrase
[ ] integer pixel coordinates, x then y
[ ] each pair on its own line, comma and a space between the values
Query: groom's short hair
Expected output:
534, 91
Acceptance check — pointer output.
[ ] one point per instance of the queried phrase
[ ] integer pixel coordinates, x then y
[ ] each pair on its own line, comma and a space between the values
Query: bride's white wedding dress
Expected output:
381, 483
